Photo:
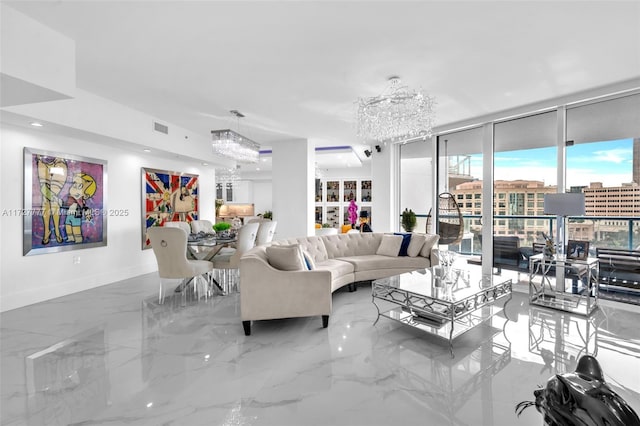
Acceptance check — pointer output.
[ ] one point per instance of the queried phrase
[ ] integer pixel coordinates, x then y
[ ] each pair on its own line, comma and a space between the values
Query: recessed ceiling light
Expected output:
205, 164
257, 169
36, 124
146, 150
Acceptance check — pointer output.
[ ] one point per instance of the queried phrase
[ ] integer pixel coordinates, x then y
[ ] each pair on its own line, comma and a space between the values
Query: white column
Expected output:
561, 133
487, 194
385, 215
293, 192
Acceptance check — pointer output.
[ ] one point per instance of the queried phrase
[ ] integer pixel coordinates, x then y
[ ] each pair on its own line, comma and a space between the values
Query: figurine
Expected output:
581, 398
549, 247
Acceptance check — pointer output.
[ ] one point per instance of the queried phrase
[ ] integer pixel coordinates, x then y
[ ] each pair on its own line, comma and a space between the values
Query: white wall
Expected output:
293, 187
29, 279
262, 196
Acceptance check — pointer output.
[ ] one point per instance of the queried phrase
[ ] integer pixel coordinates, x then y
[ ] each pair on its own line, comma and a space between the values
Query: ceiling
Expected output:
296, 68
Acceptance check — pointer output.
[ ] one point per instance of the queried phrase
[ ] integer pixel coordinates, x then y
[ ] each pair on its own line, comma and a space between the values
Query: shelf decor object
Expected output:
230, 144
397, 114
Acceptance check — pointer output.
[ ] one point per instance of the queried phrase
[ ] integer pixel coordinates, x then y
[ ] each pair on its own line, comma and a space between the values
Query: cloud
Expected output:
616, 156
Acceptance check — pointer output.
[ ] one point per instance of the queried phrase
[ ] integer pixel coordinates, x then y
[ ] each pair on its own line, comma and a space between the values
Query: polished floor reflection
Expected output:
113, 356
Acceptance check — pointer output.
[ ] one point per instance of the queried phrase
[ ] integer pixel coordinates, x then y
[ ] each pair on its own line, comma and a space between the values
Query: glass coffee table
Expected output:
443, 305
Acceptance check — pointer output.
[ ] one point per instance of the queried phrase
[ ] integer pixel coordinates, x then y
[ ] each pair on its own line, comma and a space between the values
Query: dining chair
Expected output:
179, 224
169, 245
226, 265
201, 225
266, 231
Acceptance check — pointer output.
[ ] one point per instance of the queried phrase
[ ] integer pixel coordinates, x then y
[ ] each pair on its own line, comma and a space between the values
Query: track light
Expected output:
378, 148
367, 153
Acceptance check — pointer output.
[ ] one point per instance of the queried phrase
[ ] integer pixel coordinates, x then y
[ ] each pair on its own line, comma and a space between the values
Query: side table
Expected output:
548, 285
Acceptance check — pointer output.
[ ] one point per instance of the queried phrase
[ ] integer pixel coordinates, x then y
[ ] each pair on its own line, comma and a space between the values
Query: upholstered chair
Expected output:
178, 224
226, 264
266, 231
169, 245
201, 225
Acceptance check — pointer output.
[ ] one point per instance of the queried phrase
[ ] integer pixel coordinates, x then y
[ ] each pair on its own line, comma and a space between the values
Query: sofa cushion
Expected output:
286, 257
415, 245
429, 244
390, 245
352, 244
406, 240
375, 262
308, 260
338, 268
314, 245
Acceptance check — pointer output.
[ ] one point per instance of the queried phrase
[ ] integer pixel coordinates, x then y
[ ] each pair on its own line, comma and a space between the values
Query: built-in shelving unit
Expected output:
334, 195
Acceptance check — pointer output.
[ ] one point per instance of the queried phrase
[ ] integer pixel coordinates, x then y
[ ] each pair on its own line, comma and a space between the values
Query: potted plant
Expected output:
408, 220
267, 215
222, 228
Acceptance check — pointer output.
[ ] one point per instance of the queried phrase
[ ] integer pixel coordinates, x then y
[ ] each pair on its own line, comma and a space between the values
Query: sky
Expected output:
607, 162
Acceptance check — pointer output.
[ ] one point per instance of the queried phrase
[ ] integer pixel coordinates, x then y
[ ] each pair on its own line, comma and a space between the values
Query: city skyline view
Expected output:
609, 162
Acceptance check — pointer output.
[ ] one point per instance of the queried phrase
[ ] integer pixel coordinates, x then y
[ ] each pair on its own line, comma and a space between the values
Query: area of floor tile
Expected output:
114, 356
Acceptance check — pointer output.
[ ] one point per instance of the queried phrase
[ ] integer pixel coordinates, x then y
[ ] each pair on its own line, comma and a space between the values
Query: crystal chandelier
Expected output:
227, 176
233, 145
398, 114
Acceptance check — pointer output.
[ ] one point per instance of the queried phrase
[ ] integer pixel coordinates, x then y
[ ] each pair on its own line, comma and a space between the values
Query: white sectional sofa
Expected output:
297, 277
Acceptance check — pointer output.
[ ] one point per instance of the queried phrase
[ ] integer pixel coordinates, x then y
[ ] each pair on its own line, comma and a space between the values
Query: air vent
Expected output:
160, 128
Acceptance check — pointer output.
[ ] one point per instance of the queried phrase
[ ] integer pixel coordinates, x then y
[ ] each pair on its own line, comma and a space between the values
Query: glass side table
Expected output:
569, 285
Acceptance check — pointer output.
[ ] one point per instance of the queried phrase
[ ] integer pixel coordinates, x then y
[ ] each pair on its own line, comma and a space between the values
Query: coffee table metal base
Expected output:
447, 319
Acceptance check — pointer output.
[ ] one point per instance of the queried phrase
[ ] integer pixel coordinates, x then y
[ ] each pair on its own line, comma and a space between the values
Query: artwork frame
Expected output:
79, 220
167, 196
577, 250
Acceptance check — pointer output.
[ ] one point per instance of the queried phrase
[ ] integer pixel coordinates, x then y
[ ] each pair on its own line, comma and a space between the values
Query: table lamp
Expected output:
563, 205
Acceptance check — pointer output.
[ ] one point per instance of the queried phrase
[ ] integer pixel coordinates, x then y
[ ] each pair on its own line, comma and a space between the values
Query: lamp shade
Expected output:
568, 204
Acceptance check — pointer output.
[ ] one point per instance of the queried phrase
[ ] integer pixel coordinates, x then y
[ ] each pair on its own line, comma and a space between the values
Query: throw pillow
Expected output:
308, 260
406, 240
286, 258
430, 242
415, 246
390, 245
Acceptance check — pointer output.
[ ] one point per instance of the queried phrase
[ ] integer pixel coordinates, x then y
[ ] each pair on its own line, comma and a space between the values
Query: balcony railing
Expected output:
600, 231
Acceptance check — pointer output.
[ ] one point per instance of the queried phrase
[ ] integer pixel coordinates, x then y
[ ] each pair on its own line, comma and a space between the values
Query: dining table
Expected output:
206, 247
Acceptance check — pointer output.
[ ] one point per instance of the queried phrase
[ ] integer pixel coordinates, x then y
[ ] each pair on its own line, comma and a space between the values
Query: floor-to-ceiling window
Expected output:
525, 168
461, 174
416, 177
603, 162
561, 149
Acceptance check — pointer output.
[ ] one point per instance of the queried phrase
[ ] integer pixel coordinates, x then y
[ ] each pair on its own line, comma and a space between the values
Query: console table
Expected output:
548, 283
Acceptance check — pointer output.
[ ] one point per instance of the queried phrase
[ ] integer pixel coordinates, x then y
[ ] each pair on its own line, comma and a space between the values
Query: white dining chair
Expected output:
169, 245
201, 225
226, 265
179, 224
266, 231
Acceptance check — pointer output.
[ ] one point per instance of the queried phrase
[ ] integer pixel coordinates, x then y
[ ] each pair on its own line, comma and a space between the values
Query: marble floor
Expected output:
114, 356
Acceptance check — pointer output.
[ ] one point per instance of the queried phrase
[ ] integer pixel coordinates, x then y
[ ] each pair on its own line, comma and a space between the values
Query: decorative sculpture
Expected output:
581, 398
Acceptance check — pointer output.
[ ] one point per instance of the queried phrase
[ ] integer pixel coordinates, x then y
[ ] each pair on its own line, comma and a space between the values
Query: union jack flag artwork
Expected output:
168, 197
